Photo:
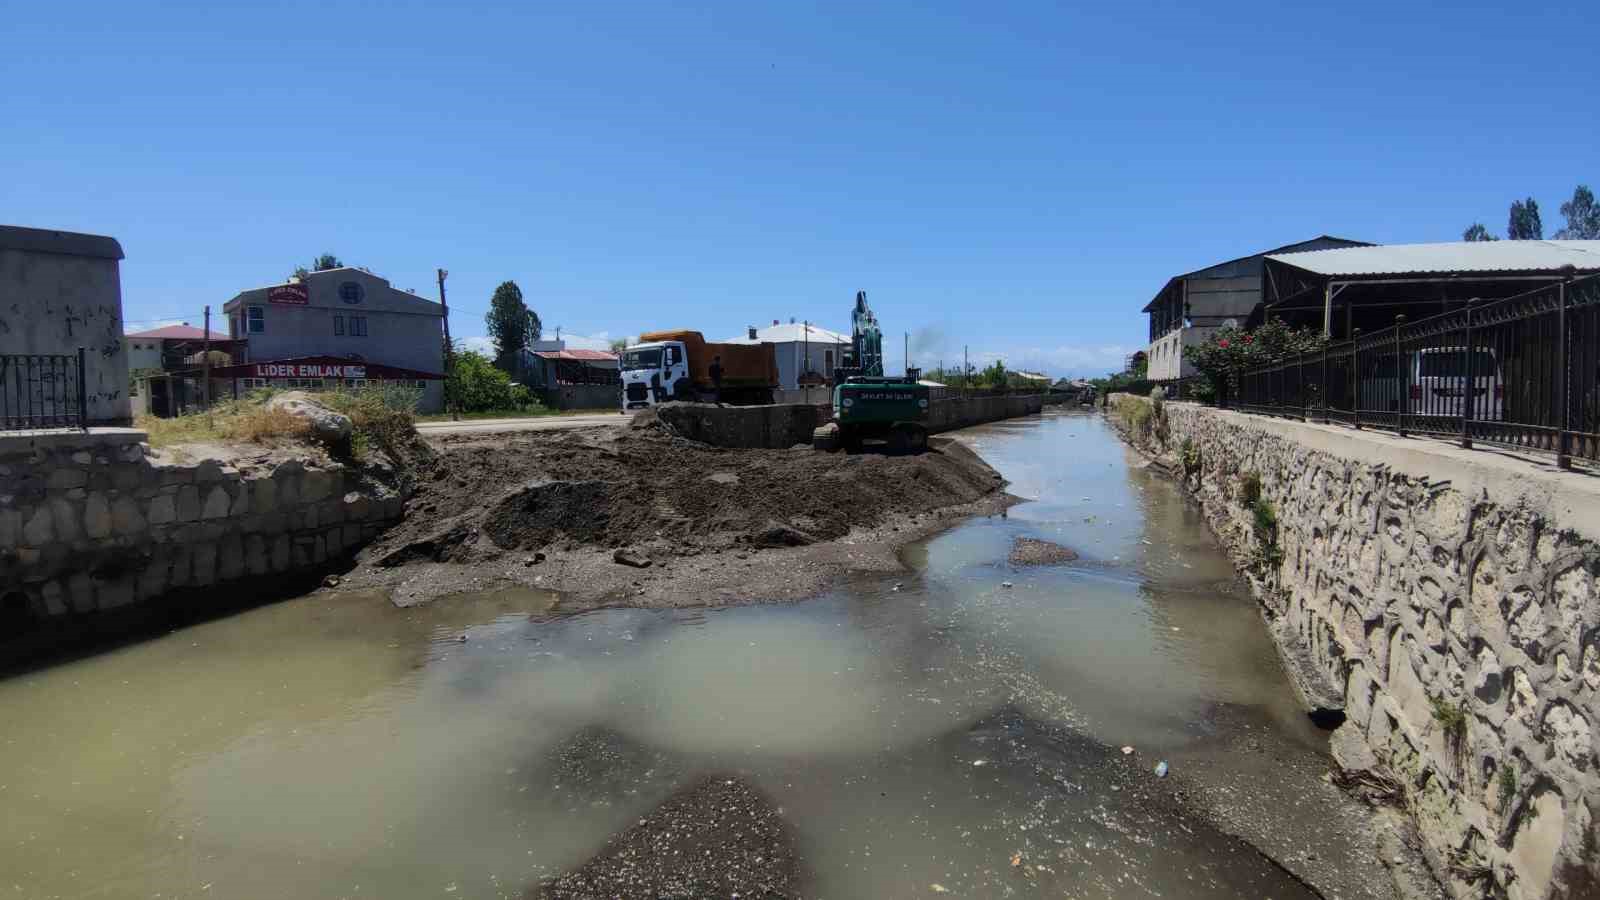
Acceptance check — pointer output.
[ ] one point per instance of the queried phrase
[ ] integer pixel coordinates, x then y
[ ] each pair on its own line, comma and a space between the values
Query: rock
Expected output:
627, 558
325, 426
330, 581
777, 534
1027, 551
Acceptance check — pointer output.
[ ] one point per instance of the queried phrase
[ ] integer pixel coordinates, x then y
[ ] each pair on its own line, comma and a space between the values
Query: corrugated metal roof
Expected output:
1455, 256
793, 332
577, 354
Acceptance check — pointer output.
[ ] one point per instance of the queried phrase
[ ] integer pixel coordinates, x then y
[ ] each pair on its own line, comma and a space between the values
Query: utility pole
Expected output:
449, 348
965, 366
908, 353
205, 361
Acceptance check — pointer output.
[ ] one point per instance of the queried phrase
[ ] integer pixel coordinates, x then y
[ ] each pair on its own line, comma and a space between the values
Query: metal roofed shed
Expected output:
1344, 289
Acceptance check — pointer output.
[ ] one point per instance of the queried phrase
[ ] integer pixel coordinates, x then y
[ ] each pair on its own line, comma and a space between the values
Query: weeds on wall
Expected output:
1452, 720
1265, 525
1506, 784
1249, 489
1190, 453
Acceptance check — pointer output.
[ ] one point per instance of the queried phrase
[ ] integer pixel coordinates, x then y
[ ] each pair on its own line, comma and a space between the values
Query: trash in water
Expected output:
1161, 769
1005, 584
939, 888
980, 762
1016, 859
896, 587
1126, 750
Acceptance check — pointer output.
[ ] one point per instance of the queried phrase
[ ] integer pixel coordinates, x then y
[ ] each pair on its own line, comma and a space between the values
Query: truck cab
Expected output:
653, 372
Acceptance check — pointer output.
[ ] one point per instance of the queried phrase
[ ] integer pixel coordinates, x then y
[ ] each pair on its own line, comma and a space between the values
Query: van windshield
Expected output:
649, 358
1453, 364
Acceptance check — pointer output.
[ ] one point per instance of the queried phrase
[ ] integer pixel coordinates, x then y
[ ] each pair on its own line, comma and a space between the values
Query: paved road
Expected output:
536, 423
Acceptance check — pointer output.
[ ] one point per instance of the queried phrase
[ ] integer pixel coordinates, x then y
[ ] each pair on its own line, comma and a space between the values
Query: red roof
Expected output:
587, 355
179, 333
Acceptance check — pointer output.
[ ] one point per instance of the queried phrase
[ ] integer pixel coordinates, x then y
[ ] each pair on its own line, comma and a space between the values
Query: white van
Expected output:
1435, 383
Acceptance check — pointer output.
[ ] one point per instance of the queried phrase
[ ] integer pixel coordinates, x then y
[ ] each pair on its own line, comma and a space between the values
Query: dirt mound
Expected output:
1027, 551
721, 838
649, 489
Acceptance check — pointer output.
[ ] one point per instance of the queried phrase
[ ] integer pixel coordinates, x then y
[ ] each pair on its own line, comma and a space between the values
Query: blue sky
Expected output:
1018, 178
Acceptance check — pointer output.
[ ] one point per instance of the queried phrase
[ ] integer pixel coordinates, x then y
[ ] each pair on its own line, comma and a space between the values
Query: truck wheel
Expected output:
916, 437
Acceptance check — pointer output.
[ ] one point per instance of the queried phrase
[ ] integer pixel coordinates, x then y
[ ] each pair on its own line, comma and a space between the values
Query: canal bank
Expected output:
1442, 602
955, 726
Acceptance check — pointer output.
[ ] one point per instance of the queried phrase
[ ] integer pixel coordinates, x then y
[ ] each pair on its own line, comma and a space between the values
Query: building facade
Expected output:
344, 314
1189, 308
61, 292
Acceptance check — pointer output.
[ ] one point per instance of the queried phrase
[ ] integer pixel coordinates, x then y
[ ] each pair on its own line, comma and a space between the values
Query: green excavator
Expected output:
868, 405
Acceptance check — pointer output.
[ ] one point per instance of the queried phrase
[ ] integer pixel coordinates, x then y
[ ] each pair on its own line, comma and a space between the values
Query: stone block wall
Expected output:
951, 413
94, 523
1449, 598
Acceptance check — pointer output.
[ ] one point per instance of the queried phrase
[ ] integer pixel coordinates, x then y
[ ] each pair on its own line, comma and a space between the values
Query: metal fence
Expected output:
1522, 372
1186, 388
42, 391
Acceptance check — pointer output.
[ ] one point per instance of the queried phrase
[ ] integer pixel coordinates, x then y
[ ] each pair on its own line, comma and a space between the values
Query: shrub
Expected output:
1191, 456
1266, 520
1249, 489
1452, 718
477, 386
1507, 784
382, 414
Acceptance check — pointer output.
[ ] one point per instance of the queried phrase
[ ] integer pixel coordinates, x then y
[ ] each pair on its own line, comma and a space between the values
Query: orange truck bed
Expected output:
743, 365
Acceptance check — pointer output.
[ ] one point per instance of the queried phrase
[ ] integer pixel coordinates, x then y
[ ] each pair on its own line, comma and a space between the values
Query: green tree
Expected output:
993, 375
512, 325
325, 262
1524, 224
1583, 216
1476, 232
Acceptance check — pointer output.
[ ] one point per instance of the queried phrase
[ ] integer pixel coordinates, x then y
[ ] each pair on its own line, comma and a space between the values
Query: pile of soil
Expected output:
479, 498
1027, 551
721, 838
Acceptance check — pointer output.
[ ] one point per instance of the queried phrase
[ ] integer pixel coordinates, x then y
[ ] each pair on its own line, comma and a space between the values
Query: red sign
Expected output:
289, 294
308, 370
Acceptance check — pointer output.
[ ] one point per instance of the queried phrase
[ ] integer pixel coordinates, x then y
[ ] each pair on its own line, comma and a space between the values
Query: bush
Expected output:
1266, 520
1191, 456
476, 385
1249, 489
382, 414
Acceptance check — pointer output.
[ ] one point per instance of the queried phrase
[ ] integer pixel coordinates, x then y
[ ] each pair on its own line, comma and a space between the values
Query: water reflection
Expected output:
333, 747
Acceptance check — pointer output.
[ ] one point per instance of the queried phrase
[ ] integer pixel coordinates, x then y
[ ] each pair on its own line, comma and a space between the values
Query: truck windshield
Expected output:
633, 360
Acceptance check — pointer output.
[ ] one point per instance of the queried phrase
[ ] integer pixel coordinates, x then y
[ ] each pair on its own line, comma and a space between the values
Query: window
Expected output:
351, 292
338, 324
358, 326
827, 363
233, 326
257, 319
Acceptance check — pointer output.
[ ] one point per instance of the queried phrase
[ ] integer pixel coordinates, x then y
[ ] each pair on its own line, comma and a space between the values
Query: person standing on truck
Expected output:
716, 380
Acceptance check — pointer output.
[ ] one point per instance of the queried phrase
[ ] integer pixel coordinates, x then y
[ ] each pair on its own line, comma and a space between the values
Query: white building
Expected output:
807, 355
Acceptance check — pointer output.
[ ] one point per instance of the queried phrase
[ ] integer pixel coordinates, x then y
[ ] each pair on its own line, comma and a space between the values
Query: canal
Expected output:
955, 729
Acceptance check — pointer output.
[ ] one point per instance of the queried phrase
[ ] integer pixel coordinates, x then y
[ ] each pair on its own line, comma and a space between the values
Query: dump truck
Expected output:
676, 365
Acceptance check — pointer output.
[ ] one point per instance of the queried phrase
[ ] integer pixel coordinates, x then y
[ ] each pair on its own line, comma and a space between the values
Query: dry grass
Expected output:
245, 420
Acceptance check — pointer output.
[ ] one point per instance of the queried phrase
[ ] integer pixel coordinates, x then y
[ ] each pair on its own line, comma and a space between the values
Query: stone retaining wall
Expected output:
1447, 597
94, 523
783, 425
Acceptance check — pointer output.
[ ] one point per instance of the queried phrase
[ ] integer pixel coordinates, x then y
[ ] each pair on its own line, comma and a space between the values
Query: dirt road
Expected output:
532, 423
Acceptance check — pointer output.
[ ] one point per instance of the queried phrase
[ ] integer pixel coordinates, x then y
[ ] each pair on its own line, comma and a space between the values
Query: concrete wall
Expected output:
784, 425
953, 413
582, 396
92, 524
778, 426
60, 291
403, 329
1422, 586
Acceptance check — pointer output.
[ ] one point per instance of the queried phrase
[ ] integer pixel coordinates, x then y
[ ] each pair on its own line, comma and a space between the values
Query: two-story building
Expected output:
347, 322
1190, 307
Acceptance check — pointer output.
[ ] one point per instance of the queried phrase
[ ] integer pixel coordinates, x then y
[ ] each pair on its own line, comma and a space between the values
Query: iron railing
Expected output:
39, 390
1185, 388
1522, 372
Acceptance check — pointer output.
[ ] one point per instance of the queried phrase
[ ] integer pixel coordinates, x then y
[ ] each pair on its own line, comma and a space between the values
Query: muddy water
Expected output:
920, 732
